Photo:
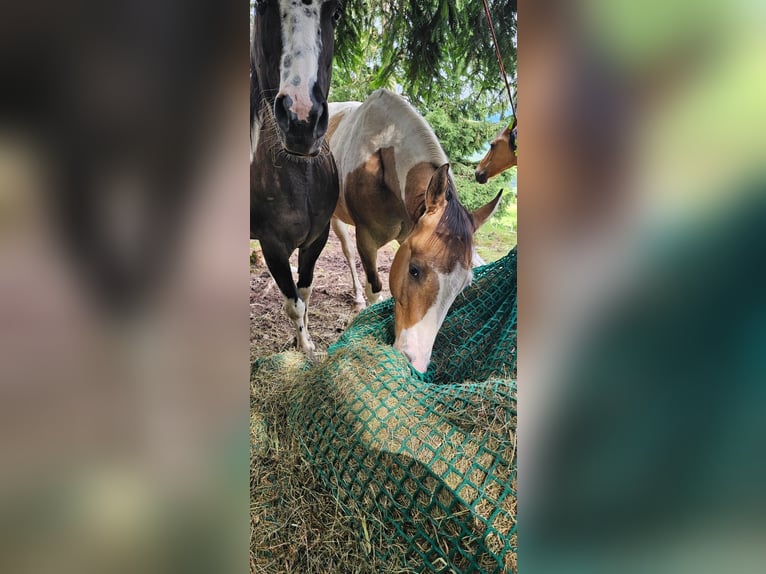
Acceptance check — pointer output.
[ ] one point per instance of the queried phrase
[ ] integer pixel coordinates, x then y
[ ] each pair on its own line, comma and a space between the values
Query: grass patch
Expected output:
497, 237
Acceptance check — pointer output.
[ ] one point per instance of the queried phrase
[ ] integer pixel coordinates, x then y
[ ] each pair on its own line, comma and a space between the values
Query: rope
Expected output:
499, 58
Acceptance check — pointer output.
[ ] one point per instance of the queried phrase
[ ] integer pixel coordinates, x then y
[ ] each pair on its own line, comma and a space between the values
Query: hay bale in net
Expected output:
426, 461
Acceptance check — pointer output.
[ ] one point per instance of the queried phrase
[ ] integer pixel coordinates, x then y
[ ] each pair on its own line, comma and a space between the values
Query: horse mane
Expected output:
255, 93
456, 226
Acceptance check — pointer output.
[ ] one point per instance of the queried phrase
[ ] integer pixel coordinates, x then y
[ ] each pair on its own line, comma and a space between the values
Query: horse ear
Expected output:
436, 193
481, 215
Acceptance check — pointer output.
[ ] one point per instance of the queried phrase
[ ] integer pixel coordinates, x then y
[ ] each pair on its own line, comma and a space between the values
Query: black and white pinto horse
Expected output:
293, 180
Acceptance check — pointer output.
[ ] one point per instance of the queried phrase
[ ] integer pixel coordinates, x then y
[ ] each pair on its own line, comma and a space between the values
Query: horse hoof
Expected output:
308, 347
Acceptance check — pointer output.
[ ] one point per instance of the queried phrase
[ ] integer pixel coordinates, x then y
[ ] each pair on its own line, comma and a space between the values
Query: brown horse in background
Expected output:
501, 154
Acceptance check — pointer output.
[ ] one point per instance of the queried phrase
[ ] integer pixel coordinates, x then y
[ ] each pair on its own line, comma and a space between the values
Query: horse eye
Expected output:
414, 272
336, 15
491, 146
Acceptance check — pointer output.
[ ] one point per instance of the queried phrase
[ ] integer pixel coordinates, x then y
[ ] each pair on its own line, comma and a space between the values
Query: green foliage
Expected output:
440, 55
473, 194
438, 52
460, 137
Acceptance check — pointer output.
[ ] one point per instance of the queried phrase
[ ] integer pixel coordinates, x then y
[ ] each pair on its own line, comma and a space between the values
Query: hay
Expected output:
295, 524
430, 471
363, 465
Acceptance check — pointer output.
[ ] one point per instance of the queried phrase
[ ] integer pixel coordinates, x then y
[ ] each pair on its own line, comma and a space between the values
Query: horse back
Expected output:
383, 149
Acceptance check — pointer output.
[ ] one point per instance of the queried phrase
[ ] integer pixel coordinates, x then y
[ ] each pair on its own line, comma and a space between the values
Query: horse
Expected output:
501, 154
396, 184
293, 179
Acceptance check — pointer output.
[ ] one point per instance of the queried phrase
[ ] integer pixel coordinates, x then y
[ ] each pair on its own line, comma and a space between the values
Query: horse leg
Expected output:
294, 306
476, 260
307, 258
368, 253
341, 230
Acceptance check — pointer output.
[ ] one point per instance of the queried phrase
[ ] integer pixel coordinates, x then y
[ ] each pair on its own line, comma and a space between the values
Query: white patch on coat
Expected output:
301, 46
417, 341
384, 120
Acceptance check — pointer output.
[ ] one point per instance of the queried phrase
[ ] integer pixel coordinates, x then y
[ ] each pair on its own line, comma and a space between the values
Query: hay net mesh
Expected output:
426, 463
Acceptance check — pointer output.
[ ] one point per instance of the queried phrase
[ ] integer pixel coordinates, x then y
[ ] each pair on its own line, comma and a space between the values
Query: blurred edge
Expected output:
123, 273
122, 161
642, 286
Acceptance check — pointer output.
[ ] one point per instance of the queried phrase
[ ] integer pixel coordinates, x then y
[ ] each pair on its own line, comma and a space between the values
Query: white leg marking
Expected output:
341, 230
305, 294
296, 311
476, 260
371, 297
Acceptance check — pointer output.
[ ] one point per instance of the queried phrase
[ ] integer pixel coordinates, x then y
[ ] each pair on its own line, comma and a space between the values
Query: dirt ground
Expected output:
332, 302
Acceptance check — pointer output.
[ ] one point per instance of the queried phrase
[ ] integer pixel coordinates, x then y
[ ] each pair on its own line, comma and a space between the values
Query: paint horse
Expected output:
396, 184
293, 180
501, 154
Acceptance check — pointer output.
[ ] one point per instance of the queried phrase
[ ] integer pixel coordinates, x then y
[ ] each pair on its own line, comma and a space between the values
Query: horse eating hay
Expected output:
293, 180
396, 184
501, 154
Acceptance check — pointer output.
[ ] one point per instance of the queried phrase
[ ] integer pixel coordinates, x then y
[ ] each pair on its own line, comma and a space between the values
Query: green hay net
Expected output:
425, 462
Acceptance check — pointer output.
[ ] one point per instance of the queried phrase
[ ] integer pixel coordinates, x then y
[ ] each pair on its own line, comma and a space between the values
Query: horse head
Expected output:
501, 154
432, 266
292, 51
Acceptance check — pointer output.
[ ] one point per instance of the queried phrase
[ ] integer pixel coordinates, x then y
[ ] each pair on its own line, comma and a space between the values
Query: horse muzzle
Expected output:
301, 137
481, 176
419, 360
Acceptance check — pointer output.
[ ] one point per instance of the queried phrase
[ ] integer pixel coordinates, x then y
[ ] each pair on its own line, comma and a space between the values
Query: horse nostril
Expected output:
481, 176
282, 112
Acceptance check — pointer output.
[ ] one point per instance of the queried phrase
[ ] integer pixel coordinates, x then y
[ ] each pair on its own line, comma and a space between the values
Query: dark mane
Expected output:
456, 226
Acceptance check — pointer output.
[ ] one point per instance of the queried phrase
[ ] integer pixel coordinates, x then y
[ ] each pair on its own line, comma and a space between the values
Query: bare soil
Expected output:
331, 308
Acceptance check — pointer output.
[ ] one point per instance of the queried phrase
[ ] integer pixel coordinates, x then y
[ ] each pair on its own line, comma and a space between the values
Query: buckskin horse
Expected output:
396, 184
293, 179
501, 154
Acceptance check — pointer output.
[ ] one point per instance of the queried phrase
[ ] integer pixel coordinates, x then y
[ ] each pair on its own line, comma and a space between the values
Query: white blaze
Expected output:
301, 44
417, 342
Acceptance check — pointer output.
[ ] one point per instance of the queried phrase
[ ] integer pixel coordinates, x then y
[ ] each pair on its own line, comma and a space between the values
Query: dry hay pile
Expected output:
431, 466
422, 475
296, 525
